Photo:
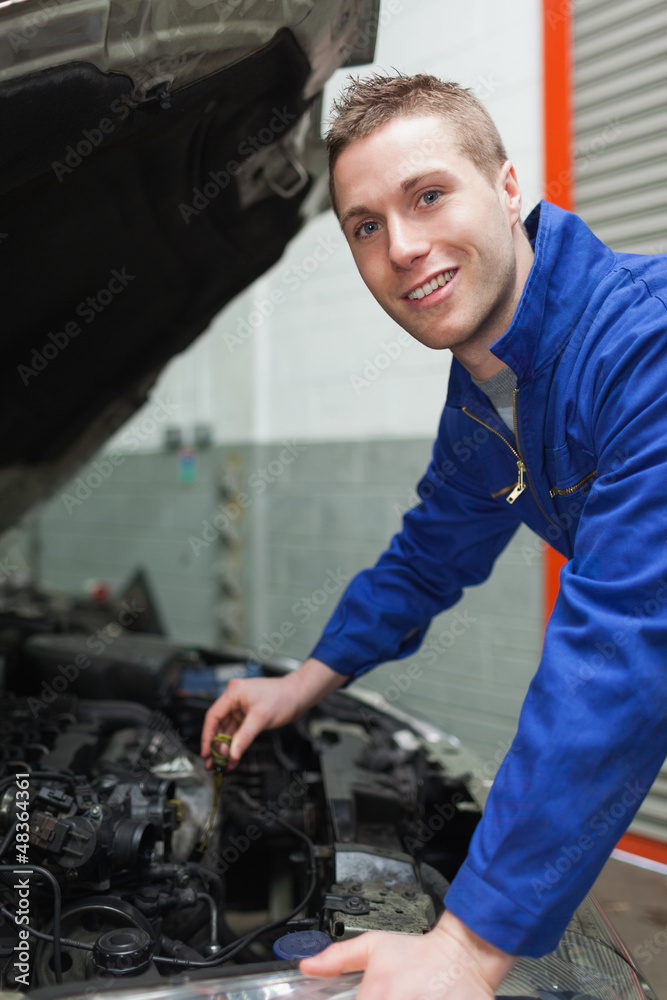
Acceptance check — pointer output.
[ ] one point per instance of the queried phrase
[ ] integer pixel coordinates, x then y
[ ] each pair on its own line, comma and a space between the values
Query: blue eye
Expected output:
430, 197
367, 229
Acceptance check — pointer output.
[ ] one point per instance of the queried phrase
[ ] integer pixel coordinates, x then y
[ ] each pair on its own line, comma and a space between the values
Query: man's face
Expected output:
417, 212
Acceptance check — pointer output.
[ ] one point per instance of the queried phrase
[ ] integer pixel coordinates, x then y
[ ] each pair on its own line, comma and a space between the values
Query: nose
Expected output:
407, 242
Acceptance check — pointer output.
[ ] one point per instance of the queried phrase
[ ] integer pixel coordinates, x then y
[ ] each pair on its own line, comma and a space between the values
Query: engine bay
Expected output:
121, 859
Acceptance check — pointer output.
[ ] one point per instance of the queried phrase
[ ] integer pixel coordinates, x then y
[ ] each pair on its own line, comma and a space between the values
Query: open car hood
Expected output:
156, 158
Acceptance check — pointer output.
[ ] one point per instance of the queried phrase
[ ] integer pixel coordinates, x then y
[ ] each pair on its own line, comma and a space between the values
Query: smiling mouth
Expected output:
432, 284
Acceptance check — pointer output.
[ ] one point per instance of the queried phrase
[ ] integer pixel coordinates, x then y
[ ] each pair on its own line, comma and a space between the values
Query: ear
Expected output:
511, 192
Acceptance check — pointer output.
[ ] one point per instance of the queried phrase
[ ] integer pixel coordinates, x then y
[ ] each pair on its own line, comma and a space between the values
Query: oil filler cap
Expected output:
301, 944
123, 952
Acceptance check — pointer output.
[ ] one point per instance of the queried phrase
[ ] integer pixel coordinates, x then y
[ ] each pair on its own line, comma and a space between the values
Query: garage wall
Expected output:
153, 512
620, 122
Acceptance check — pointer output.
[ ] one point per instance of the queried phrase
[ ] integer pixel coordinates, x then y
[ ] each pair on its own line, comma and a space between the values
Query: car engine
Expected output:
122, 856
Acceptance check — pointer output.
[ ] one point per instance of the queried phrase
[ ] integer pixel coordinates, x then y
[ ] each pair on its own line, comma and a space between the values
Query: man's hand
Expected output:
449, 962
249, 706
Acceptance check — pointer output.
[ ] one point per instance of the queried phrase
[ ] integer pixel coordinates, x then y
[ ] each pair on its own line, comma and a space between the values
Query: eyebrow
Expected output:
406, 186
352, 212
411, 182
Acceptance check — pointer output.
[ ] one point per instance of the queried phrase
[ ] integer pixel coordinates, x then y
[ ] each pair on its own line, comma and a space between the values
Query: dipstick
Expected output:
220, 765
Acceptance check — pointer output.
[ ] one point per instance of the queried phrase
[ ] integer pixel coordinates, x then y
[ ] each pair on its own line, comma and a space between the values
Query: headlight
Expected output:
590, 962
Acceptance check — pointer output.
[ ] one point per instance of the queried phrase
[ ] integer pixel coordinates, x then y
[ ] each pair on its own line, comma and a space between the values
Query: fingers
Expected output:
210, 728
219, 718
252, 724
244, 710
231, 714
346, 956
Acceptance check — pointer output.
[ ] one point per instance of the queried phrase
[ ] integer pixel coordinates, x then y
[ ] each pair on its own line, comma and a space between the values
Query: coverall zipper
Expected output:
522, 470
555, 492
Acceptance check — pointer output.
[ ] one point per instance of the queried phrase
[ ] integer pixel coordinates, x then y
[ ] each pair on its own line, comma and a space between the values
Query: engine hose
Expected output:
171, 948
120, 714
215, 887
435, 884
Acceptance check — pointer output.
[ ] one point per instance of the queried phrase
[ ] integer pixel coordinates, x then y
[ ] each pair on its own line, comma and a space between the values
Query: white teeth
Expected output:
430, 286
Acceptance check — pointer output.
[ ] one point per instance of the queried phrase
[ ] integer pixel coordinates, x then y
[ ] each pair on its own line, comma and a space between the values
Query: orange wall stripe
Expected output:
557, 60
643, 847
552, 565
558, 172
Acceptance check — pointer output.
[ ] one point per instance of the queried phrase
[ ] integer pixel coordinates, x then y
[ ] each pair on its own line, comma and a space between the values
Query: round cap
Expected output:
301, 944
124, 951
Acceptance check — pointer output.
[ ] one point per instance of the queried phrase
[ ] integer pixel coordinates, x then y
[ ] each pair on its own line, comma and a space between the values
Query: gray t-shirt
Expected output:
500, 391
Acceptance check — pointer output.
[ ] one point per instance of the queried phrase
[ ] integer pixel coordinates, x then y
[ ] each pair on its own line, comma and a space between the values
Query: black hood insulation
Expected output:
108, 266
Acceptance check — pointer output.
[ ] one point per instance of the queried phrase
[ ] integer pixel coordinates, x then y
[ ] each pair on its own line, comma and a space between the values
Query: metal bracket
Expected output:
354, 905
275, 169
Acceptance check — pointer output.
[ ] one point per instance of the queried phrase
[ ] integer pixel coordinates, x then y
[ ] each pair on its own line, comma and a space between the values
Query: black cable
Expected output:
39, 775
8, 839
239, 945
57, 908
43, 936
282, 758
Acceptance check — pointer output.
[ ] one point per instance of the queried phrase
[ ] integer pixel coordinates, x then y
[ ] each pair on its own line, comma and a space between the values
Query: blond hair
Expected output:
370, 102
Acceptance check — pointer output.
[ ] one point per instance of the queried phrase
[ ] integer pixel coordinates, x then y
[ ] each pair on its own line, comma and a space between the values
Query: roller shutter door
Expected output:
620, 124
620, 95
